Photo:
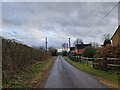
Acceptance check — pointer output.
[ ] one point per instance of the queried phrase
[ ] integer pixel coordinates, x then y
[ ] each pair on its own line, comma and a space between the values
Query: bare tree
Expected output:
95, 45
65, 46
41, 48
106, 38
78, 41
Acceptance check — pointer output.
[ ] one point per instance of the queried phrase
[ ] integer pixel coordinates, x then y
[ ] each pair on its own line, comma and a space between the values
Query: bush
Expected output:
53, 51
108, 51
64, 53
105, 52
89, 52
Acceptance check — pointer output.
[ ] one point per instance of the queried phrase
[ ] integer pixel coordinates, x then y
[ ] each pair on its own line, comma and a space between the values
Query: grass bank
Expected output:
107, 78
32, 77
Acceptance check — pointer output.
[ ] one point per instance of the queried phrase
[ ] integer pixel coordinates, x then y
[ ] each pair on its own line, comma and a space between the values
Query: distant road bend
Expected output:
64, 75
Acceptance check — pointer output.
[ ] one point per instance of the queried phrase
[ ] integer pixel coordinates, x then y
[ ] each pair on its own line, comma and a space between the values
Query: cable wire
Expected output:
104, 17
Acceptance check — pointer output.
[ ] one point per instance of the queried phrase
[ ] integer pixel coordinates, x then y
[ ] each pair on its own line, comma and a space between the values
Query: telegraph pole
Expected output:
69, 43
46, 43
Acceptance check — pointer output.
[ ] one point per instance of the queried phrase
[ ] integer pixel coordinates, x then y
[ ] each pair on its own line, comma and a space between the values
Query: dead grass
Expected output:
41, 77
107, 83
32, 77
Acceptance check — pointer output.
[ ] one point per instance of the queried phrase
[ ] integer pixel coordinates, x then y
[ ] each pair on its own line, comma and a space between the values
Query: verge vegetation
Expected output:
110, 77
23, 65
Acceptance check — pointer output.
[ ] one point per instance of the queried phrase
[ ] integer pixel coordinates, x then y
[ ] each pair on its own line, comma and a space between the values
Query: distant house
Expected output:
78, 49
116, 37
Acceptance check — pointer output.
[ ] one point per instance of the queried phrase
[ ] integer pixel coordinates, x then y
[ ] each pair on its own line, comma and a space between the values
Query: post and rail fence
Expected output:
99, 63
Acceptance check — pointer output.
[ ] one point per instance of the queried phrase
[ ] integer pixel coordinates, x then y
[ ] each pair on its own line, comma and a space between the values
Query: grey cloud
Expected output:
59, 20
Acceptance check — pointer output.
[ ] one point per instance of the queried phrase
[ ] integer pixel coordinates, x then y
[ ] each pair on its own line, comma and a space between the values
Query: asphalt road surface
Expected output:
64, 75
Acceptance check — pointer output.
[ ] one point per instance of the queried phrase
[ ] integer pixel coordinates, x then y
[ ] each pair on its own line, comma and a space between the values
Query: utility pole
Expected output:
69, 43
46, 43
119, 11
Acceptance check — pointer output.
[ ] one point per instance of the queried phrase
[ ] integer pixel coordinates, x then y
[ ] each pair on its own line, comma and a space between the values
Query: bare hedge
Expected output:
16, 56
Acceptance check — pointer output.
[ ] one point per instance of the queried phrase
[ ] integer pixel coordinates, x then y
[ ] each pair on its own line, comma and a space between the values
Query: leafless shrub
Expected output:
17, 56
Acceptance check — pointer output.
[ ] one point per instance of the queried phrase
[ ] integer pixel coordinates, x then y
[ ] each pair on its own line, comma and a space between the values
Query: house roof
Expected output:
79, 46
116, 31
87, 45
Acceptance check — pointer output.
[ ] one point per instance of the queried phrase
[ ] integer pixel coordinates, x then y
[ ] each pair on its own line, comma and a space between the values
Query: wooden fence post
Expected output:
87, 61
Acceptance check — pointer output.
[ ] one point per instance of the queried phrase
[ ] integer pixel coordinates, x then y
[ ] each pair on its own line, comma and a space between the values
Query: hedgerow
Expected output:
17, 56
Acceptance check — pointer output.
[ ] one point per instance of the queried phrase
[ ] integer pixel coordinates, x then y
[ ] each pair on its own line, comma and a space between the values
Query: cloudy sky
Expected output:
31, 22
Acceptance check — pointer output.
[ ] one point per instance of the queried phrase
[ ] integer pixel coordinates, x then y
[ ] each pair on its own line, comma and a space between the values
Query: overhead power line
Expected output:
107, 13
104, 17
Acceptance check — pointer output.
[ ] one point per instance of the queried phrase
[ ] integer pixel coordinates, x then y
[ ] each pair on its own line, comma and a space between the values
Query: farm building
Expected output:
116, 37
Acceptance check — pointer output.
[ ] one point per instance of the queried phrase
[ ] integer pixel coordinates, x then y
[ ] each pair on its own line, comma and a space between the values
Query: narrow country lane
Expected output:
64, 75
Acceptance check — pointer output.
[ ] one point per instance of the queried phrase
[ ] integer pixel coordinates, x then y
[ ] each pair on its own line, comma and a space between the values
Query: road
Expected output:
64, 75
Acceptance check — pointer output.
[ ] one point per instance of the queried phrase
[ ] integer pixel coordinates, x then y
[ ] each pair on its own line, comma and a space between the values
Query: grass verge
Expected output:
33, 77
107, 78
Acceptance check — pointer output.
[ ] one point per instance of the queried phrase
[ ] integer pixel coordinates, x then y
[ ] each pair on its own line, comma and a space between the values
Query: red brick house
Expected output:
116, 37
78, 49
